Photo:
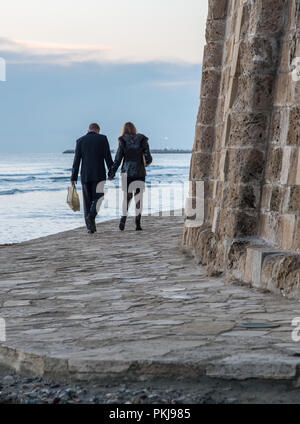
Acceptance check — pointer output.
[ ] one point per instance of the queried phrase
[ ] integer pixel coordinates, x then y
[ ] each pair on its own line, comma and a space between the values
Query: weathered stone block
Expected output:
247, 129
294, 167
213, 53
204, 139
242, 196
234, 223
219, 140
220, 117
282, 273
210, 205
254, 92
217, 9
237, 259
266, 197
248, 270
296, 243
207, 110
254, 263
286, 55
215, 30
259, 54
287, 224
244, 165
246, 19
228, 51
189, 236
269, 228
275, 129
295, 93
206, 246
283, 90
221, 165
219, 191
224, 84
292, 13
267, 16
200, 166
295, 37
215, 165
293, 137
253, 365
286, 163
294, 200
210, 83
277, 198
215, 221
274, 165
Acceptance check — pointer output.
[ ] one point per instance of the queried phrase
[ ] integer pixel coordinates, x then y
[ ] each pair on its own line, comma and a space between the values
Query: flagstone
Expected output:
119, 306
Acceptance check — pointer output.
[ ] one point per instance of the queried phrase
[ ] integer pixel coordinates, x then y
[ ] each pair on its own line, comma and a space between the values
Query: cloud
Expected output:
174, 84
24, 51
32, 52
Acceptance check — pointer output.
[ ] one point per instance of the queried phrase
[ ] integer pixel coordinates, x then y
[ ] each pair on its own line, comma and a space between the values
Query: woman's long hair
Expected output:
129, 128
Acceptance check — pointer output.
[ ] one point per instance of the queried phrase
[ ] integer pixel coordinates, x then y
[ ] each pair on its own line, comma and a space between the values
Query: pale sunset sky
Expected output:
70, 62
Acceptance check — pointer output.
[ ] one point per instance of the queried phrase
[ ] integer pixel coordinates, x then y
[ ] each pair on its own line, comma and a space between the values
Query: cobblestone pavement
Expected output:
133, 307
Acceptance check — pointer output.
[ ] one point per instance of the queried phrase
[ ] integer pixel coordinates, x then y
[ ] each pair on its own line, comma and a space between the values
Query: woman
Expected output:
135, 153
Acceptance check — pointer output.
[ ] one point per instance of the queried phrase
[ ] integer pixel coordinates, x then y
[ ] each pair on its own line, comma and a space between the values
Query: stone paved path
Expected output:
132, 306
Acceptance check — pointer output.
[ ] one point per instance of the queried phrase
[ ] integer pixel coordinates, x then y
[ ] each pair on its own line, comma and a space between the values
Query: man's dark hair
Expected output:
94, 127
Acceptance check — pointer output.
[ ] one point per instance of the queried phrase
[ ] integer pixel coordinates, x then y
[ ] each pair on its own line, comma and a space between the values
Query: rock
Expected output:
70, 392
8, 379
255, 365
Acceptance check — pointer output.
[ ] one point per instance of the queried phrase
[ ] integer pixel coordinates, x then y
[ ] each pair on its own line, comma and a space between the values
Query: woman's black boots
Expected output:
122, 223
138, 223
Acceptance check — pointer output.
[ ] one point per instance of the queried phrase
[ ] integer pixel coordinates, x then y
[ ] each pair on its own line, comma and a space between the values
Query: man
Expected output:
92, 150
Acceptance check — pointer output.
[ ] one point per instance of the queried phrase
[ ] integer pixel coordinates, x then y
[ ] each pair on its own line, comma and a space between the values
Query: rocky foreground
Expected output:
18, 390
128, 317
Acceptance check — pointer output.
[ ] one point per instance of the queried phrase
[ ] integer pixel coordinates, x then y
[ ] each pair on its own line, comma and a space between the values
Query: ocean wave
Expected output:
17, 180
167, 167
38, 174
65, 178
10, 192
18, 191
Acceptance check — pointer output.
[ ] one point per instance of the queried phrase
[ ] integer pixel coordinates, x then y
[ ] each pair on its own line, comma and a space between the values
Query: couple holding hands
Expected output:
92, 150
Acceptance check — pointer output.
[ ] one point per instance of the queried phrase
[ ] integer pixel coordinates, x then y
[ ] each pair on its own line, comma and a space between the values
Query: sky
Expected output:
71, 62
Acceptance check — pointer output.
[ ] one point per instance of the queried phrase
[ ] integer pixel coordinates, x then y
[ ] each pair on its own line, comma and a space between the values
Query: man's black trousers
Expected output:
91, 199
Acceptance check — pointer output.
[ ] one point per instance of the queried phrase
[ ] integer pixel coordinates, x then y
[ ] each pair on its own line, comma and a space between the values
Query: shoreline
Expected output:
154, 214
153, 151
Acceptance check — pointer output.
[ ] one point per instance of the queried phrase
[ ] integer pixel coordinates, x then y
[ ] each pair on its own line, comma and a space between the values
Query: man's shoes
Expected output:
91, 224
122, 223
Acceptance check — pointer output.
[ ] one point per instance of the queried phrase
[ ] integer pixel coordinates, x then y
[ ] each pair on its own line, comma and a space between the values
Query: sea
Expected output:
33, 193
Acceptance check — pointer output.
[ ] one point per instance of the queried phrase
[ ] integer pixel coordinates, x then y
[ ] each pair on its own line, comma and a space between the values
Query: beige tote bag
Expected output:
73, 199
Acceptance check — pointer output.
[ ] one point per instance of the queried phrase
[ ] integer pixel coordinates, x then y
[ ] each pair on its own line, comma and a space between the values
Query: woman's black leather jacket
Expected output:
135, 153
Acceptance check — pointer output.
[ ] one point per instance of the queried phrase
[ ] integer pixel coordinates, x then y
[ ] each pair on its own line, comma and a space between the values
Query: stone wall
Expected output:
247, 145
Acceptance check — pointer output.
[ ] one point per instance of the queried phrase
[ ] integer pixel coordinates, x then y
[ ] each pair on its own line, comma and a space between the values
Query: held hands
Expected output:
73, 183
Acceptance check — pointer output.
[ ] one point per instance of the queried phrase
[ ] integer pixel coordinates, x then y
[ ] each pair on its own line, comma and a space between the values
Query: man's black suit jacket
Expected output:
91, 149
